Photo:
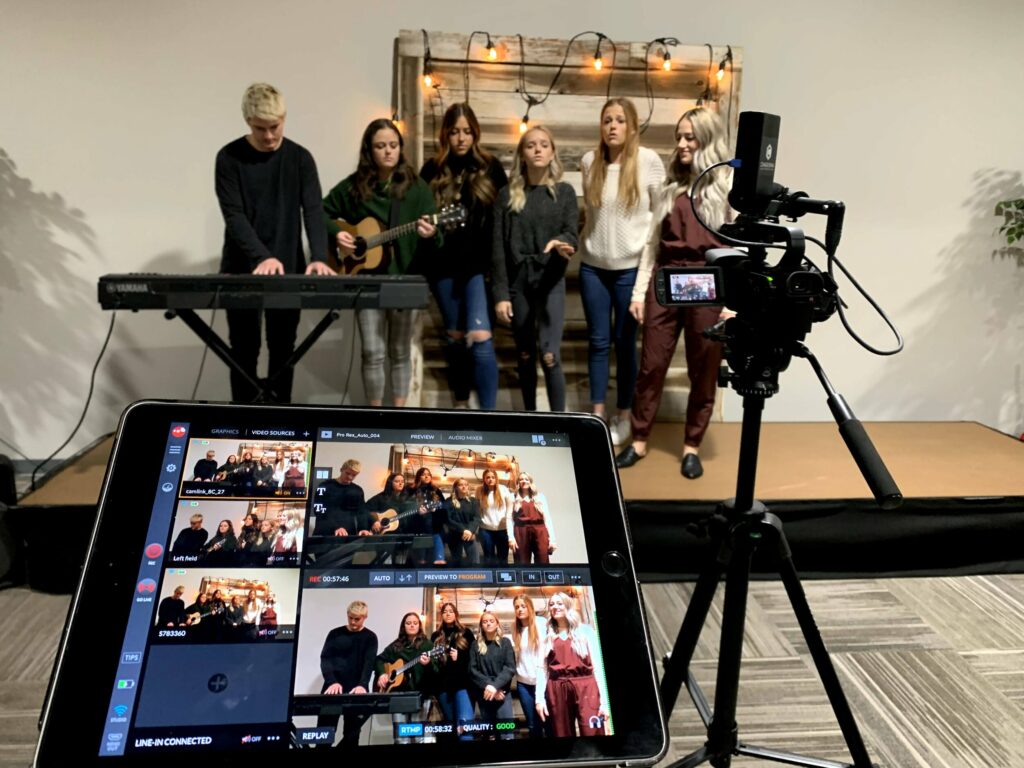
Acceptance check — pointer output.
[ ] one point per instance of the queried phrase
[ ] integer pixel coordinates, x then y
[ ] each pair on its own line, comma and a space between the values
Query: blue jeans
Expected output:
457, 708
438, 547
606, 294
464, 308
528, 700
494, 545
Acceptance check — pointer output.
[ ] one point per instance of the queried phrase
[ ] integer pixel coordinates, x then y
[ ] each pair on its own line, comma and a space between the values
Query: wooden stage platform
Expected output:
796, 462
810, 462
963, 485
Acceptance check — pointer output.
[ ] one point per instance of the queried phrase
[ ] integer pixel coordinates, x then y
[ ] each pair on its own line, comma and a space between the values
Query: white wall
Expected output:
112, 114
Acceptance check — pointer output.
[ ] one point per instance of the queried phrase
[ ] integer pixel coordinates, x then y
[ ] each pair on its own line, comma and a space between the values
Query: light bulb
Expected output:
428, 80
666, 64
492, 53
598, 63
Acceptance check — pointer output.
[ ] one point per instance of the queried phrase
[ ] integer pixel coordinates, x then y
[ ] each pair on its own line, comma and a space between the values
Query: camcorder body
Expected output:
775, 304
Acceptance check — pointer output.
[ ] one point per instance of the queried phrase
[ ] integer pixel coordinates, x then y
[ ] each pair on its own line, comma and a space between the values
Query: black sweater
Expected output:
517, 255
265, 198
348, 658
497, 667
465, 250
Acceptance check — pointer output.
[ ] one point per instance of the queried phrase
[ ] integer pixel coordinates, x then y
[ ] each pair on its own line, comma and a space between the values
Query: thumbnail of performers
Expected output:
253, 534
258, 468
346, 663
229, 606
570, 681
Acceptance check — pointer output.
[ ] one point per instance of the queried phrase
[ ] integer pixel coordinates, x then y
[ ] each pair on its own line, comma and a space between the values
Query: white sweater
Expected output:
614, 236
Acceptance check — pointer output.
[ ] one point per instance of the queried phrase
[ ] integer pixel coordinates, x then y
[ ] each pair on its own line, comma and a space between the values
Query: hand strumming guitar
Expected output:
346, 243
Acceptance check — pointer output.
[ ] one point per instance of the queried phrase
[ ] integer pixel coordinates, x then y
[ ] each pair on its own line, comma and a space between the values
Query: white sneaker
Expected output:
620, 429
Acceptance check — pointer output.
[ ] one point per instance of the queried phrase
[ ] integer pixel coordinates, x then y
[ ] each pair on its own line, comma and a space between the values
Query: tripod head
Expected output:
776, 305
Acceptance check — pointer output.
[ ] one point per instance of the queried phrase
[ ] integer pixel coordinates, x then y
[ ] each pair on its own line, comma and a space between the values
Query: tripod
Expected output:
740, 527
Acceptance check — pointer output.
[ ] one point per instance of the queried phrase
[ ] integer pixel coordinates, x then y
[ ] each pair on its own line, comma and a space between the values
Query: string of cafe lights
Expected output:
429, 454
598, 63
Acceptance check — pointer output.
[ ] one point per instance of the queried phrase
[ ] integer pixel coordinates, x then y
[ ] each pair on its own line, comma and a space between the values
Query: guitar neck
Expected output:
392, 234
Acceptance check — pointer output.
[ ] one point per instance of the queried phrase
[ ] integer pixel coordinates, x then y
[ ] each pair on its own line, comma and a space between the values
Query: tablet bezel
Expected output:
90, 650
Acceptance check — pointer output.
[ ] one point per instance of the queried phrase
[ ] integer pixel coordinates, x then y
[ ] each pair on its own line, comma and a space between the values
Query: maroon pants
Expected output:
531, 539
574, 702
662, 326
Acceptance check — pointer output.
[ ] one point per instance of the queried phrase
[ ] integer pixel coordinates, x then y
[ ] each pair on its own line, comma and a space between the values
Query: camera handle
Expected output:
740, 526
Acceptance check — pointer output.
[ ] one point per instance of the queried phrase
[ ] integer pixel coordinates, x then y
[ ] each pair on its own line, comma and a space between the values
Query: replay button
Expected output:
613, 563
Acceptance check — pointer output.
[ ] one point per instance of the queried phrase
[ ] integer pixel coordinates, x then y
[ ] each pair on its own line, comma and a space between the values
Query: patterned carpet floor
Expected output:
933, 669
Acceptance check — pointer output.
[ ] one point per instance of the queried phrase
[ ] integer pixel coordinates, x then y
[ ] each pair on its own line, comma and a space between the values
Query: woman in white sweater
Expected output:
495, 519
621, 180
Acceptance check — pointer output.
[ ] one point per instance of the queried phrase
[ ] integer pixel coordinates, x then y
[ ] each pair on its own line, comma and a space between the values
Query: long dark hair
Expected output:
403, 639
459, 640
389, 488
447, 185
367, 173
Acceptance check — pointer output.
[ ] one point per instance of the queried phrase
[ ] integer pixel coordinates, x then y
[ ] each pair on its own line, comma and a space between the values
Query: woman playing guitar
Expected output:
413, 654
385, 187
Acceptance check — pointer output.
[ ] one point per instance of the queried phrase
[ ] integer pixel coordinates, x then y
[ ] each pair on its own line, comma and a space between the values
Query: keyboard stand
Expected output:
264, 387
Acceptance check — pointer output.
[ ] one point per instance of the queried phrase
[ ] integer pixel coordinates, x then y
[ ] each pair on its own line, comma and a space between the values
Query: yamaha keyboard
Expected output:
174, 292
357, 703
181, 295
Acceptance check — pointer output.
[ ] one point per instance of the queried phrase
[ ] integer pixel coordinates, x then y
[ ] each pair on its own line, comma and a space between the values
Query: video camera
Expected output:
775, 304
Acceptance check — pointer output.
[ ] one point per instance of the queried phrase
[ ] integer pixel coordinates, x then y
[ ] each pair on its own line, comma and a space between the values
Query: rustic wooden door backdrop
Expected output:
499, 89
556, 82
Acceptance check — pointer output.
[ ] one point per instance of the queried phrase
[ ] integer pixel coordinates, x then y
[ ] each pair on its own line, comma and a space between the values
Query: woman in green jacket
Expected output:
387, 189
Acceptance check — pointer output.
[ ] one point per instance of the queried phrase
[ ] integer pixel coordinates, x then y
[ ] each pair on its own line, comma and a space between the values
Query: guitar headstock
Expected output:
451, 216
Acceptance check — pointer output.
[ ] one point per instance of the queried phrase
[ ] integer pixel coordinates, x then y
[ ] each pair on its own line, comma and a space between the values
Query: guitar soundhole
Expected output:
360, 247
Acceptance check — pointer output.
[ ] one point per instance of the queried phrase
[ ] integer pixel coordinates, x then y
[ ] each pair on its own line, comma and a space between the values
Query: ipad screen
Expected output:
320, 586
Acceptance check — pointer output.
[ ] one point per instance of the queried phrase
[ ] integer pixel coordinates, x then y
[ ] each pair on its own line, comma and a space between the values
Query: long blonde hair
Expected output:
572, 619
481, 641
533, 636
629, 183
713, 192
518, 178
500, 492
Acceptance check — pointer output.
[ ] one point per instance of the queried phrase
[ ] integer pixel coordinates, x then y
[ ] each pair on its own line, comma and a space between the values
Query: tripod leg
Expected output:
677, 664
723, 731
822, 661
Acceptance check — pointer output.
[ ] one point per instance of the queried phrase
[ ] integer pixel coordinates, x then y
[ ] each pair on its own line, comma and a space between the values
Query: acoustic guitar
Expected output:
389, 518
394, 673
371, 238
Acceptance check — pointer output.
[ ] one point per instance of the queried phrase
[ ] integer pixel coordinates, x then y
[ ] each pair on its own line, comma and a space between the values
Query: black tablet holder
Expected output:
757, 348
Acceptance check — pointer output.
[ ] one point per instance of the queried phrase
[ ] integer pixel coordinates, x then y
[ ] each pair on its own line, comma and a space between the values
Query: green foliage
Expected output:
1012, 212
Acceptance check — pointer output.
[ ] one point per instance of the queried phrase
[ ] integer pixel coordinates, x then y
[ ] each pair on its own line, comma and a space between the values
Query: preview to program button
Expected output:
455, 577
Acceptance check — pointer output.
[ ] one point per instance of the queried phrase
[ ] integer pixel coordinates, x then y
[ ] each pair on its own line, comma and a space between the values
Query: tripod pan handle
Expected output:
884, 488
